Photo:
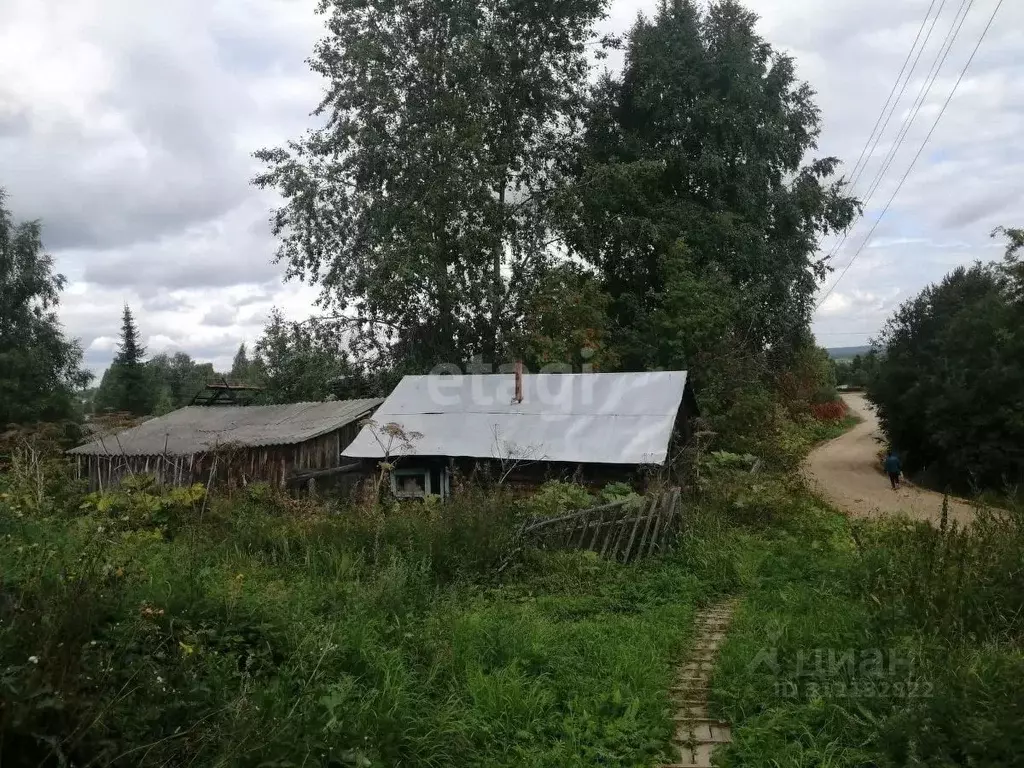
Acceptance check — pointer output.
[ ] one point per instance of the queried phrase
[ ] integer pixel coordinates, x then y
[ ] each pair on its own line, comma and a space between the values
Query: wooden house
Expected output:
275, 444
594, 428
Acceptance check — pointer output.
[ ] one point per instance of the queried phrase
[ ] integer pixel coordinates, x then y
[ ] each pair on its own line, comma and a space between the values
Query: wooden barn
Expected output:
593, 428
225, 444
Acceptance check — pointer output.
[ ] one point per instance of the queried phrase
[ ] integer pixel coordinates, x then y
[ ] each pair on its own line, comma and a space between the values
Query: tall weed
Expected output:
965, 583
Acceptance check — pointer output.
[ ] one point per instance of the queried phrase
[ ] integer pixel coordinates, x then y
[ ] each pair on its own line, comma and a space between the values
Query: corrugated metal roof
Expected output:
593, 418
200, 428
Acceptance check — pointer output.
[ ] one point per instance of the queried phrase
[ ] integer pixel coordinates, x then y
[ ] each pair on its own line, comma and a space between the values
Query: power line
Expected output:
855, 175
864, 150
923, 92
847, 333
920, 150
865, 153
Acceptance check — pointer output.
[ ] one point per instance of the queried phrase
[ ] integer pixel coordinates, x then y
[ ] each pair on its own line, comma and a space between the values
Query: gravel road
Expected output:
847, 471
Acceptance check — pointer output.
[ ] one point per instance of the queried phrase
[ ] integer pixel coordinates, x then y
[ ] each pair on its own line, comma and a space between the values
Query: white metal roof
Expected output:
593, 418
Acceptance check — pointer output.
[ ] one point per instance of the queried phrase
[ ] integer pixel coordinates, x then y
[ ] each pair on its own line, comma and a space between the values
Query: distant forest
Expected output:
847, 353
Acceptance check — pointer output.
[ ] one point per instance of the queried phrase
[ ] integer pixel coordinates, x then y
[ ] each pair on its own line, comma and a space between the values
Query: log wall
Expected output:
229, 465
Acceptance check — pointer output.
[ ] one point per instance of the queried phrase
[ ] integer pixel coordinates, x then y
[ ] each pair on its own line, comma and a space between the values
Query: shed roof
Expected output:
197, 429
593, 418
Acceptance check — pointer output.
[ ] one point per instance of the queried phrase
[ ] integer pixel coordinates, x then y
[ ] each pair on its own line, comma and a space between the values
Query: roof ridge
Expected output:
250, 407
538, 373
195, 426
530, 413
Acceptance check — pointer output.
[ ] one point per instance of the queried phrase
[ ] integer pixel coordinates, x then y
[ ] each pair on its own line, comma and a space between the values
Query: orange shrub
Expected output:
833, 411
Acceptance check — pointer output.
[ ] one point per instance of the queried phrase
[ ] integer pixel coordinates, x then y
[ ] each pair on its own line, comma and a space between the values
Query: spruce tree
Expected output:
127, 386
241, 367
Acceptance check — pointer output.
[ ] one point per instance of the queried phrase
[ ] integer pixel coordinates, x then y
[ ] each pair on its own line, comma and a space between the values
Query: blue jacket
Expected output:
892, 465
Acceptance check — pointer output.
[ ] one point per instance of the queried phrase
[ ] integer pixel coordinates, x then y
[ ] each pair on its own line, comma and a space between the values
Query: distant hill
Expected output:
845, 353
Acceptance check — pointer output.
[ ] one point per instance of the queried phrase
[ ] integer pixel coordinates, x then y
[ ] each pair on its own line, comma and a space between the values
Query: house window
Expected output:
410, 483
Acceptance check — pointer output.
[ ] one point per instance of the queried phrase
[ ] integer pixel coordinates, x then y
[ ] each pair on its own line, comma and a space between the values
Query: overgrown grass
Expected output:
280, 634
823, 431
886, 644
152, 628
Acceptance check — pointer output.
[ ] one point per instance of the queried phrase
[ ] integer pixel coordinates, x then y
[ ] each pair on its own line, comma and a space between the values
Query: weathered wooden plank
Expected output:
597, 532
582, 527
617, 530
632, 536
619, 537
581, 513
659, 519
295, 479
675, 519
655, 504
614, 533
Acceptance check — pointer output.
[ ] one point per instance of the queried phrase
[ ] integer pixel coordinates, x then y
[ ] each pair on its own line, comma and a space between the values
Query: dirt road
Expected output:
848, 473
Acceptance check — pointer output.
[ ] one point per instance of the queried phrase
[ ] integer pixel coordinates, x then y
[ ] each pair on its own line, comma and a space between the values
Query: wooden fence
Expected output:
623, 530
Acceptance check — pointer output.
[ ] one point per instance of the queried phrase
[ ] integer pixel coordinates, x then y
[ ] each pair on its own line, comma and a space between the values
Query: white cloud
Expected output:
837, 302
128, 128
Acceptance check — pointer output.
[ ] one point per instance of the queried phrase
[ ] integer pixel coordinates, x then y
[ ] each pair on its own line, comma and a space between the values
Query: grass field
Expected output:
155, 628
887, 644
272, 635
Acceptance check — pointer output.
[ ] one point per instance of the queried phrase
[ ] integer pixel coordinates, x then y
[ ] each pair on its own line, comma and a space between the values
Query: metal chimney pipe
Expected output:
519, 381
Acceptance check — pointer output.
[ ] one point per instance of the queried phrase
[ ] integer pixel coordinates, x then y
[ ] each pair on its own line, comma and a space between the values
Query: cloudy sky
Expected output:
128, 129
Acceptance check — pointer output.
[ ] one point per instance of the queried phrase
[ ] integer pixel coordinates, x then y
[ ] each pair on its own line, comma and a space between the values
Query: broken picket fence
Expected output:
624, 530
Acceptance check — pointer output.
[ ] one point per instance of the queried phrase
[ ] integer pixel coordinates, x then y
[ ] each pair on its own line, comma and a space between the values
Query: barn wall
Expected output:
231, 467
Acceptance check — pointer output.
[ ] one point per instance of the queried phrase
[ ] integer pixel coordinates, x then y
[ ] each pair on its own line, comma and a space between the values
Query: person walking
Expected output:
893, 468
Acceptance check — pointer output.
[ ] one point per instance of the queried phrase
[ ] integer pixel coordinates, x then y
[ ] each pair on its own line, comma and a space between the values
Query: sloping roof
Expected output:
200, 428
593, 418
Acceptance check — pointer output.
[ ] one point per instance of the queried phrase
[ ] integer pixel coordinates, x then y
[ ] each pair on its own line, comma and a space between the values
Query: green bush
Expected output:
556, 498
139, 503
39, 484
940, 608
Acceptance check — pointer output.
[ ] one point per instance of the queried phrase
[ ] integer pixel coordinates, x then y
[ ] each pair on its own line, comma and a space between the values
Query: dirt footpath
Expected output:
847, 471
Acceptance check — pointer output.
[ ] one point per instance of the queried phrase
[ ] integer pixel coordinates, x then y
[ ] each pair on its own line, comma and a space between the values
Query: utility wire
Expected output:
922, 96
923, 92
863, 152
913, 162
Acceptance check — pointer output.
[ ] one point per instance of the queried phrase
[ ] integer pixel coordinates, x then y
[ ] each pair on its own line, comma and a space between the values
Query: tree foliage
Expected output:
858, 371
128, 385
566, 322
422, 203
40, 369
244, 369
468, 191
949, 382
694, 198
178, 378
300, 362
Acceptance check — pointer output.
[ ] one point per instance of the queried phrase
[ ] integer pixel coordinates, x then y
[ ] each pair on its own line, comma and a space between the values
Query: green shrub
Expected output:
556, 498
138, 502
617, 492
361, 640
939, 606
970, 714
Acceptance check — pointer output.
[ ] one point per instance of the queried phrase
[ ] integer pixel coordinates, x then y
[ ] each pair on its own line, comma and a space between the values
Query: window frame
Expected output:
411, 472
